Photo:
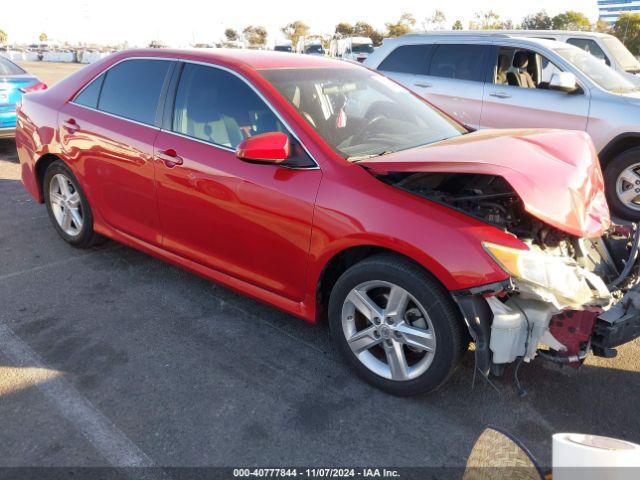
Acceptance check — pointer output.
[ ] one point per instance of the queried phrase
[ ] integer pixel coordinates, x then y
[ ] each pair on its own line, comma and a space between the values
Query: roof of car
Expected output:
505, 33
257, 59
416, 38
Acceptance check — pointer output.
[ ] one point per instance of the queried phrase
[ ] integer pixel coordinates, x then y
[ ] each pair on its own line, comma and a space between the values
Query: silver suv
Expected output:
491, 80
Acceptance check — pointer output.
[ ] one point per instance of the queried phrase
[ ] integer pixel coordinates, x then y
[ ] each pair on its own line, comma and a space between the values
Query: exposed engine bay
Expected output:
568, 296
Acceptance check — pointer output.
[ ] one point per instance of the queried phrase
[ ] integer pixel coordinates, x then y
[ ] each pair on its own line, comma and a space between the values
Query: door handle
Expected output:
169, 157
423, 85
71, 125
499, 95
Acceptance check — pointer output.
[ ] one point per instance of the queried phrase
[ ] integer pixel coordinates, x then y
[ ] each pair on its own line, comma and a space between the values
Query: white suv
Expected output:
491, 80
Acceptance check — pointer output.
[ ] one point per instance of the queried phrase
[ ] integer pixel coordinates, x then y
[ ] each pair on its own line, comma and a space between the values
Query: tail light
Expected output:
34, 88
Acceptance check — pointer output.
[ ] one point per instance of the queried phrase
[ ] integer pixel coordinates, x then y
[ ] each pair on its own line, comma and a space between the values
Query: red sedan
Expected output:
327, 190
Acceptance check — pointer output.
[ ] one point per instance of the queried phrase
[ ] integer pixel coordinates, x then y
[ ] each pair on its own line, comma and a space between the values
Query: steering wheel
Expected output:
366, 130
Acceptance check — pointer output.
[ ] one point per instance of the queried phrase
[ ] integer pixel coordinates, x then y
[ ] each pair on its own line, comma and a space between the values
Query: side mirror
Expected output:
564, 82
272, 147
496, 452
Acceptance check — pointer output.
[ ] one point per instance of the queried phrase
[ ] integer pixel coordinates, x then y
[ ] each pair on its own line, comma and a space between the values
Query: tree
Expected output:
363, 29
537, 21
489, 20
3, 37
627, 29
457, 26
294, 30
255, 36
602, 26
571, 20
43, 37
402, 26
231, 35
435, 21
344, 28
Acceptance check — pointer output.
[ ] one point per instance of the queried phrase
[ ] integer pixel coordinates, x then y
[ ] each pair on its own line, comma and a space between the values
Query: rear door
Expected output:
247, 220
107, 134
512, 106
455, 80
408, 65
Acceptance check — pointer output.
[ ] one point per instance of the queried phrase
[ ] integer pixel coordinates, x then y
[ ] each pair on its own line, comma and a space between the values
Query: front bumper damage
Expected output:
520, 320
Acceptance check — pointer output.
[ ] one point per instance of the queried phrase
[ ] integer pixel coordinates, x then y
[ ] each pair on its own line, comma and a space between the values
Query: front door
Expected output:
519, 96
247, 220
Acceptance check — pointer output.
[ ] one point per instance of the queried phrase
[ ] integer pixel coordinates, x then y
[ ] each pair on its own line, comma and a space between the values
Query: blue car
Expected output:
14, 82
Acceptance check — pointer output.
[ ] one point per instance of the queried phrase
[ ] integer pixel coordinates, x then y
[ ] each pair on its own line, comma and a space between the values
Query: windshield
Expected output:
360, 113
623, 56
362, 48
283, 48
9, 68
314, 49
596, 70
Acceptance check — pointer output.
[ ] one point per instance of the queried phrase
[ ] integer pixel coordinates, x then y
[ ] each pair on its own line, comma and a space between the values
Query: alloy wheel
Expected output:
66, 204
628, 186
388, 330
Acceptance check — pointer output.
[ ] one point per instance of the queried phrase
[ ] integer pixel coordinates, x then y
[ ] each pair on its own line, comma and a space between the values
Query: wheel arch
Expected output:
40, 168
342, 260
617, 145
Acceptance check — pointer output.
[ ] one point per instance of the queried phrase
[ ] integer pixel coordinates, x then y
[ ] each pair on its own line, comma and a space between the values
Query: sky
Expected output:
182, 22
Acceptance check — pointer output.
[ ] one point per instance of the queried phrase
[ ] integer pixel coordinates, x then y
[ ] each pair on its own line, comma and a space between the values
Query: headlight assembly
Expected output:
561, 277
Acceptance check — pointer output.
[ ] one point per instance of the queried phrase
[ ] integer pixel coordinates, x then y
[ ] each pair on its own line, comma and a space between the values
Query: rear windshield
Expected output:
7, 67
314, 49
362, 48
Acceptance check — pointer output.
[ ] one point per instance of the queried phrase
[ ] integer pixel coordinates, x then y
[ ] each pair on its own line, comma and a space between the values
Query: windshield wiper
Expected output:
358, 158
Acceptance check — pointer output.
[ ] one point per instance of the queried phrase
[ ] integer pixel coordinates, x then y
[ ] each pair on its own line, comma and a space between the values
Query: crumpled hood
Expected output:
556, 173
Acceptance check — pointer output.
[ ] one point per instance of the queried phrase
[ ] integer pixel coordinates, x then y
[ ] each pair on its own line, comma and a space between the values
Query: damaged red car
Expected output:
329, 191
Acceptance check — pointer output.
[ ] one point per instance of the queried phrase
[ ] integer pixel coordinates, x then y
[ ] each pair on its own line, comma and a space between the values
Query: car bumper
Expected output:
618, 325
7, 132
7, 123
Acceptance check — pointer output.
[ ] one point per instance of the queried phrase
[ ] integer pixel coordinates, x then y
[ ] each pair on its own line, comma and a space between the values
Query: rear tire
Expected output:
386, 308
622, 179
68, 207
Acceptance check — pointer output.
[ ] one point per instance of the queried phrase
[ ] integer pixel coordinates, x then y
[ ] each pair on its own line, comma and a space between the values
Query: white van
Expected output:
351, 48
601, 45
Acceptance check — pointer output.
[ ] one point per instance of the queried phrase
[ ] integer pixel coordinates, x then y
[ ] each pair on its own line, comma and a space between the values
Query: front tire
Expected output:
395, 325
68, 207
622, 184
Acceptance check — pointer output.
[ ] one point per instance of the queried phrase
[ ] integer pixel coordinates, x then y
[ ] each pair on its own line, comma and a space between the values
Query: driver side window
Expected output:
522, 68
219, 108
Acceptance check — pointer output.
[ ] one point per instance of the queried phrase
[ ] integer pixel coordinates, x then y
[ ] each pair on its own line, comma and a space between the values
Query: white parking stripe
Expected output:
105, 437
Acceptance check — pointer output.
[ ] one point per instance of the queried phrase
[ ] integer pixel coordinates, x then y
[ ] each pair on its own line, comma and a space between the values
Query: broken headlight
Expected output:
556, 279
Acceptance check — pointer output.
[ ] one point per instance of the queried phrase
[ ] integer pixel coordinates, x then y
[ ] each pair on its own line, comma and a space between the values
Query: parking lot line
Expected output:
105, 437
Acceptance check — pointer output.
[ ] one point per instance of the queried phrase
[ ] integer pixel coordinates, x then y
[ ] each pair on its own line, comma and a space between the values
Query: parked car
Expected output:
283, 47
326, 189
604, 47
14, 82
496, 81
356, 49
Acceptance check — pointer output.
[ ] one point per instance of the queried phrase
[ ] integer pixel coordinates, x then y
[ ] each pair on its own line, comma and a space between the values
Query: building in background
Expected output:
610, 10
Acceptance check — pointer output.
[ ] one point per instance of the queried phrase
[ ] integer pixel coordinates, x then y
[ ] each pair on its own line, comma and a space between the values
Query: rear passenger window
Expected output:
408, 59
132, 89
462, 62
215, 106
89, 96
